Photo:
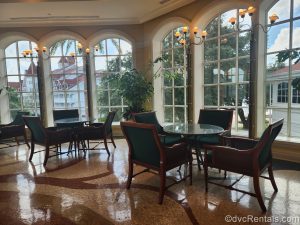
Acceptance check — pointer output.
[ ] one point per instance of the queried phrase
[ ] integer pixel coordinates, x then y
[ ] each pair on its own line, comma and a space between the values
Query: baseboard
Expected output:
286, 151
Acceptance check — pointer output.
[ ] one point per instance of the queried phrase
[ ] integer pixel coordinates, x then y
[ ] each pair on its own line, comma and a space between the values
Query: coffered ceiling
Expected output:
79, 12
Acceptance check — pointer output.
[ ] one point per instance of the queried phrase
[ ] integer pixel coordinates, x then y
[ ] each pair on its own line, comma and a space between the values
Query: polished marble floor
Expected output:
91, 190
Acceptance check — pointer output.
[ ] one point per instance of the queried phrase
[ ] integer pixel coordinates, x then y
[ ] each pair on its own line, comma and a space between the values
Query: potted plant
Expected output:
135, 90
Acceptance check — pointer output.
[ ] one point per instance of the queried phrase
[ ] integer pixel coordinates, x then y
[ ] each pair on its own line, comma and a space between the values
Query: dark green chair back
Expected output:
36, 128
266, 141
108, 122
143, 147
65, 114
148, 118
221, 118
19, 118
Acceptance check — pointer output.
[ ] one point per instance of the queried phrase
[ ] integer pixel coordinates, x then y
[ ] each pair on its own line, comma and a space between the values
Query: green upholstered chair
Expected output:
221, 118
244, 156
150, 118
98, 131
15, 129
47, 137
146, 149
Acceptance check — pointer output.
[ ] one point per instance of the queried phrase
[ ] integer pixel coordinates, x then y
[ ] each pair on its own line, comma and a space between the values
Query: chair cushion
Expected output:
170, 139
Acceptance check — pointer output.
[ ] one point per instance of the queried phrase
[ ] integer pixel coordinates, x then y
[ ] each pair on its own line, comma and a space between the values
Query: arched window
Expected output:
175, 85
21, 77
114, 56
68, 77
226, 68
282, 40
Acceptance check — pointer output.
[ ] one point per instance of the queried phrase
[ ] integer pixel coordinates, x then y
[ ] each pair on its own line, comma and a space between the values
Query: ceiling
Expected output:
79, 12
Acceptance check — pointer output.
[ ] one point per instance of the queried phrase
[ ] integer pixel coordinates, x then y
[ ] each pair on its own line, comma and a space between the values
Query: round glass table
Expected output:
193, 129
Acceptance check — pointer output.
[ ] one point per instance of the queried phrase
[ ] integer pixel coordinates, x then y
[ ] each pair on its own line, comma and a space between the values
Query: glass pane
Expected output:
227, 95
179, 96
211, 73
113, 46
243, 114
167, 80
113, 63
179, 115
295, 125
119, 114
275, 114
27, 84
244, 43
226, 27
102, 98
179, 80
212, 28
23, 45
167, 41
56, 49
243, 95
68, 47
276, 70
168, 115
269, 95
282, 9
245, 24
211, 96
244, 69
115, 98
28, 100
102, 48
14, 82
59, 100
278, 38
211, 50
14, 99
102, 114
55, 64
81, 83
296, 8
100, 64
79, 61
228, 47
12, 66
228, 71
126, 62
296, 34
102, 81
11, 50
167, 56
82, 100
25, 66
125, 47
178, 57
168, 96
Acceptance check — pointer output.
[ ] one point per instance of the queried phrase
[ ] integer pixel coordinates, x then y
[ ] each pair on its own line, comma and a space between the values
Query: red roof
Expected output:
285, 70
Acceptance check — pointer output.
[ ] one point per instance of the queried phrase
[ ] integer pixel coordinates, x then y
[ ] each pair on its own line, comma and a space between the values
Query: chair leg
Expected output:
258, 193
191, 170
46, 155
162, 175
270, 170
16, 139
130, 173
106, 147
112, 141
205, 175
26, 140
198, 159
31, 151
